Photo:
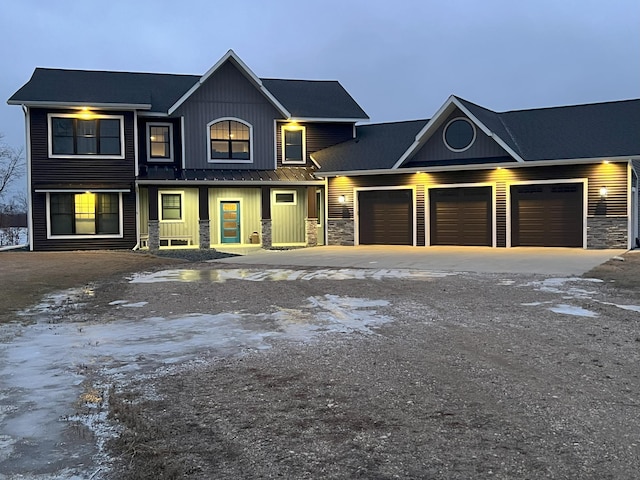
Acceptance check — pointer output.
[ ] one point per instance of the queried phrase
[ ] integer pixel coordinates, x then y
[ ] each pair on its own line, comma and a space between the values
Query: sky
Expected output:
399, 59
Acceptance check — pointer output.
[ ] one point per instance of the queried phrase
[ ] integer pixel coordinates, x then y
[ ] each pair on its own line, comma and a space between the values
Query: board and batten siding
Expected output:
228, 94
250, 211
187, 228
611, 175
318, 136
143, 140
288, 220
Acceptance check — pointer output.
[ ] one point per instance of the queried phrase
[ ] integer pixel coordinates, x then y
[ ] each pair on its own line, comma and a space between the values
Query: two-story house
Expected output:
120, 159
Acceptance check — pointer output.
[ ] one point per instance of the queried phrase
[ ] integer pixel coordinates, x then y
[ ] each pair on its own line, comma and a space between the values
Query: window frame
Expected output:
83, 116
293, 128
52, 236
473, 138
275, 197
152, 159
161, 210
229, 160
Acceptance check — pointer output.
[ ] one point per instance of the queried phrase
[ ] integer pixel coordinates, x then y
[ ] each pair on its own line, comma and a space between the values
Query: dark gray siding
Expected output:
228, 93
318, 136
142, 140
434, 150
613, 176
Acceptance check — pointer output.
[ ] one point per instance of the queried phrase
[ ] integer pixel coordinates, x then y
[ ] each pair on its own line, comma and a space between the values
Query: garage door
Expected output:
547, 215
460, 216
385, 217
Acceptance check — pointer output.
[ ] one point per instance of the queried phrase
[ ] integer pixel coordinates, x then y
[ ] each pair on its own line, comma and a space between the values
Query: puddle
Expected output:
44, 367
279, 274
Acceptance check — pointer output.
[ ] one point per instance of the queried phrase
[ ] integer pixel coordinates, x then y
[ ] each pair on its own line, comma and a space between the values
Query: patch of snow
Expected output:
631, 308
118, 302
572, 310
533, 304
135, 305
564, 285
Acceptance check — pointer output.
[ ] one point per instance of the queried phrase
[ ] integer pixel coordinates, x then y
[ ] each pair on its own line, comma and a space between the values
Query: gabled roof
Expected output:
163, 93
606, 130
376, 146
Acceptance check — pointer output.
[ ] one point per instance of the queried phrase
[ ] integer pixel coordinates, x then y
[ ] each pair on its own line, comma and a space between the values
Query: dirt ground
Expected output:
474, 377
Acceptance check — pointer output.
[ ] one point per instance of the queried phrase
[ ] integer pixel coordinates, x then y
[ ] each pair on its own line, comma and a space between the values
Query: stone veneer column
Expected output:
312, 232
340, 232
204, 233
266, 233
154, 235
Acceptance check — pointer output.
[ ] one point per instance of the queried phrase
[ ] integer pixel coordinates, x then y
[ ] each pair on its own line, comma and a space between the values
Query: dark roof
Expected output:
101, 87
376, 146
314, 98
302, 98
597, 130
282, 174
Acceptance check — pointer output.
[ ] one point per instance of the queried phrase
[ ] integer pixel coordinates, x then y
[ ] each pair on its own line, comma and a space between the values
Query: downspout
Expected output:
135, 175
27, 121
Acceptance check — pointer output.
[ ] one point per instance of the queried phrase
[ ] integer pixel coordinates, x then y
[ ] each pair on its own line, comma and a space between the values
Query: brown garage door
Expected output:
547, 215
460, 216
385, 217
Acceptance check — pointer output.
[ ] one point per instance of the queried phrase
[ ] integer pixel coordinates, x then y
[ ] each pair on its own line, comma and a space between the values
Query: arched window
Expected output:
229, 140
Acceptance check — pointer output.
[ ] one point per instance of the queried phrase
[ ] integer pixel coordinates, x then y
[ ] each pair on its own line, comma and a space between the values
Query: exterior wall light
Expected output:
342, 199
603, 192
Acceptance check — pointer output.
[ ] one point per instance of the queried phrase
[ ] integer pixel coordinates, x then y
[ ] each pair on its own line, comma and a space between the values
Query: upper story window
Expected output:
230, 141
86, 135
293, 144
159, 142
459, 134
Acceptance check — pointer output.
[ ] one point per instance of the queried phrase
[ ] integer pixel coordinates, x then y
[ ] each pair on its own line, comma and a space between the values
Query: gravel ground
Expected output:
475, 377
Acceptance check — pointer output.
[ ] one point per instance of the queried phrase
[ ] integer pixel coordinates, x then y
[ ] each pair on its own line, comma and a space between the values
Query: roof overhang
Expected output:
443, 112
480, 166
82, 190
246, 71
183, 183
328, 120
102, 106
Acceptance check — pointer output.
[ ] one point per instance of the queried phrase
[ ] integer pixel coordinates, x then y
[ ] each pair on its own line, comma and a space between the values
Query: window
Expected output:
159, 142
293, 144
171, 206
229, 140
84, 214
95, 135
459, 134
284, 197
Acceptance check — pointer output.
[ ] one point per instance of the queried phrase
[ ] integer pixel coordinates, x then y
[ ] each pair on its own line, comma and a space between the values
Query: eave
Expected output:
184, 183
97, 105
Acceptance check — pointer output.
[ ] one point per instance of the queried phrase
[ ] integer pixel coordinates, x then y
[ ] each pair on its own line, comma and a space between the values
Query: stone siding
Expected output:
607, 232
340, 232
267, 242
312, 231
154, 235
204, 231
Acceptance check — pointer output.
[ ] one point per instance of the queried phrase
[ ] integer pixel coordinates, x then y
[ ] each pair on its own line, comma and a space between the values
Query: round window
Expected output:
459, 134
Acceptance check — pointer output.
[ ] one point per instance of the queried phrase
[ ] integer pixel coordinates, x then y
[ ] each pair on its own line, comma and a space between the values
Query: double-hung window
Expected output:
160, 142
229, 141
86, 213
171, 207
293, 144
86, 136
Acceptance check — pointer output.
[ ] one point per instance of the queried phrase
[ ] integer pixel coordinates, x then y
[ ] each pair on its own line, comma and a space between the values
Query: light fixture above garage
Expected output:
603, 192
342, 199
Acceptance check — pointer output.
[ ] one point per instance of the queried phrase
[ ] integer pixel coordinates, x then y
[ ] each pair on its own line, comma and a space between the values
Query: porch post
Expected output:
154, 224
311, 221
204, 230
266, 217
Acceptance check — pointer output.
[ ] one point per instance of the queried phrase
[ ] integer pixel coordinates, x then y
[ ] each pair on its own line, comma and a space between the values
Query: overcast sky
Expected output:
399, 59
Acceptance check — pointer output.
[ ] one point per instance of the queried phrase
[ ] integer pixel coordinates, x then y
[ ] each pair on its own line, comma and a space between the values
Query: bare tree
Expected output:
11, 165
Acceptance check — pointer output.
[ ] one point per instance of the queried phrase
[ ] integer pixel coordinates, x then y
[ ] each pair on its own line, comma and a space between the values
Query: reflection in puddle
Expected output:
280, 274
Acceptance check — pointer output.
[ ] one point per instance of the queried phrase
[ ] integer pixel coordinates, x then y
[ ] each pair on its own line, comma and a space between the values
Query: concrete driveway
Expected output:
550, 261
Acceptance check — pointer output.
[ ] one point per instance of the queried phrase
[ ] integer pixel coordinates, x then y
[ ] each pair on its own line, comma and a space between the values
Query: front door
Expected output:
230, 222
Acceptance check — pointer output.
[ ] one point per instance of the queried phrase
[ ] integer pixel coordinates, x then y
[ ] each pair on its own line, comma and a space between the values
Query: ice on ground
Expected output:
280, 274
564, 285
572, 310
45, 367
630, 308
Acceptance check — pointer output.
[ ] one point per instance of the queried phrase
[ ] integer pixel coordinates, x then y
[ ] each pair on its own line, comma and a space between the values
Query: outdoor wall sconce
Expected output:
603, 192
342, 199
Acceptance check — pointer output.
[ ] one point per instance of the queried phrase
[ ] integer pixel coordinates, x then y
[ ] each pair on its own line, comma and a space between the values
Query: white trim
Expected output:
182, 206
217, 215
296, 128
151, 159
136, 165
231, 55
101, 106
27, 128
82, 190
275, 192
585, 202
90, 116
221, 183
356, 209
427, 208
137, 192
229, 160
479, 166
275, 144
50, 236
328, 120
446, 109
631, 219
444, 134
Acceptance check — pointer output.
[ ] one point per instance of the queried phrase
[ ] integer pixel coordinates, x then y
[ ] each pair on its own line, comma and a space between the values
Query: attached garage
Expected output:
385, 217
461, 216
547, 215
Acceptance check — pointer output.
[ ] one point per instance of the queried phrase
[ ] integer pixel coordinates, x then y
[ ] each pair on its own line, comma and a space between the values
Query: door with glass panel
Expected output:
230, 222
